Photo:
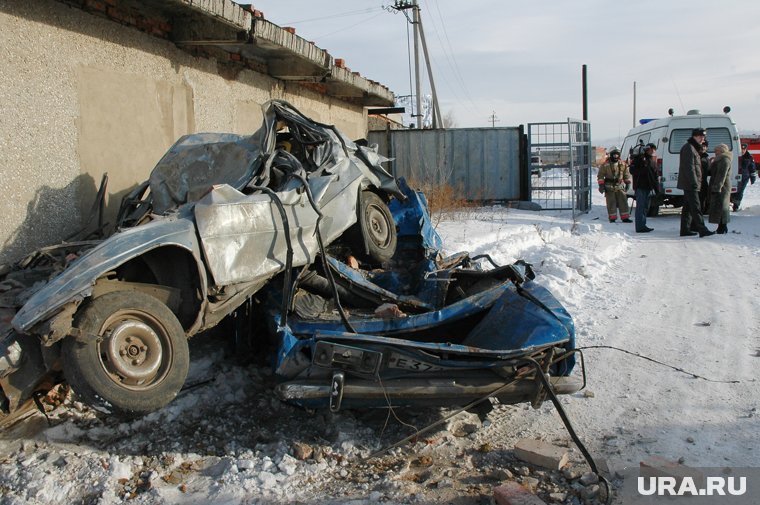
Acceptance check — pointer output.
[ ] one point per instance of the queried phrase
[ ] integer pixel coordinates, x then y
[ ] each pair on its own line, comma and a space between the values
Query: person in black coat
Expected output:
704, 191
690, 181
644, 173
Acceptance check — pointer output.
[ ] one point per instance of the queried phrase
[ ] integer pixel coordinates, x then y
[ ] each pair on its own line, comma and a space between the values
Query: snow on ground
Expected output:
689, 302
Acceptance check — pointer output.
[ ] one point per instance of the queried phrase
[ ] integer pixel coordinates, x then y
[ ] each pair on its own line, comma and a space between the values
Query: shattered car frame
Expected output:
282, 215
219, 217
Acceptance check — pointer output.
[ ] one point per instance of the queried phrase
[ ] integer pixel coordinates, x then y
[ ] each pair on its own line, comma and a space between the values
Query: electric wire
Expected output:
449, 55
678, 94
444, 419
552, 396
349, 27
487, 257
287, 276
434, 63
409, 58
412, 102
557, 405
333, 16
391, 410
647, 358
456, 66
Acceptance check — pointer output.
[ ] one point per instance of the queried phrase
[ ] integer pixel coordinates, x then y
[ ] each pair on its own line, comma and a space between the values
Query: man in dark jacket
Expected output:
704, 190
690, 180
643, 170
748, 172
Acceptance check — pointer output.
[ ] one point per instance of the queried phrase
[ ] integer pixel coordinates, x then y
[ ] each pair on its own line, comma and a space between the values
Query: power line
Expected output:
402, 6
451, 59
446, 55
333, 16
317, 37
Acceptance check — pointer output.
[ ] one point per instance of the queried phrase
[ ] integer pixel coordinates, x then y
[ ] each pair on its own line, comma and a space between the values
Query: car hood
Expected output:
196, 163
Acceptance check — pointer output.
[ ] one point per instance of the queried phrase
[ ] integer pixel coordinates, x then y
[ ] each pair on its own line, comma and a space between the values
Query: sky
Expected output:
522, 61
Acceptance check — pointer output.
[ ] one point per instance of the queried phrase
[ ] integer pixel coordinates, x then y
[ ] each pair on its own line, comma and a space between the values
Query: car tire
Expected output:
378, 229
131, 356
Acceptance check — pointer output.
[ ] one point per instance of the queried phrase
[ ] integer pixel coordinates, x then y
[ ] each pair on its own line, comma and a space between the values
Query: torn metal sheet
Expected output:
243, 236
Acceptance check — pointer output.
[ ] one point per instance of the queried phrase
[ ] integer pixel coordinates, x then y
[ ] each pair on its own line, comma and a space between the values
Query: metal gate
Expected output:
480, 164
560, 165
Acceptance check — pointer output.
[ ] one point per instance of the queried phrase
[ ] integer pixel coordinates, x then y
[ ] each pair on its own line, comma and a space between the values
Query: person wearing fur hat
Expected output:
720, 188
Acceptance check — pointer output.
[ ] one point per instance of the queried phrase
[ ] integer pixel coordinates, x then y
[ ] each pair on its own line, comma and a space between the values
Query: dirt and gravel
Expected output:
229, 440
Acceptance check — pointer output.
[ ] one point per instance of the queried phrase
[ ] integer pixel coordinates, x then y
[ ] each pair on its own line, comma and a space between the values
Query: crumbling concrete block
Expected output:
512, 493
541, 453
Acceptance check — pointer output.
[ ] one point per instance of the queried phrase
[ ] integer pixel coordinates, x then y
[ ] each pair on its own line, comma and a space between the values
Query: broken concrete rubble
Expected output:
541, 453
302, 451
512, 493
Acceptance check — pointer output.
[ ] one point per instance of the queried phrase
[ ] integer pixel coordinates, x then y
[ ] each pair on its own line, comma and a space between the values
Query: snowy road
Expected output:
689, 302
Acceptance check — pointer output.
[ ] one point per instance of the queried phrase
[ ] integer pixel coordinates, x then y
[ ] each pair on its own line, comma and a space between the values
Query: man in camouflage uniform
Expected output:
614, 179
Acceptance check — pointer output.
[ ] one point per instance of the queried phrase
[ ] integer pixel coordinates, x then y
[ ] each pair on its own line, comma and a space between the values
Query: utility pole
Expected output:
416, 23
585, 92
419, 35
634, 104
436, 109
493, 119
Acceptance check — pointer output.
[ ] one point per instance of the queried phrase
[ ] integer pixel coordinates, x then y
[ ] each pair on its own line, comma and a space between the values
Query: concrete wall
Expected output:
81, 95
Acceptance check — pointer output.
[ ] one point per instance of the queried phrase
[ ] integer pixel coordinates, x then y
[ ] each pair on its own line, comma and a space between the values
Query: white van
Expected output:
669, 134
535, 163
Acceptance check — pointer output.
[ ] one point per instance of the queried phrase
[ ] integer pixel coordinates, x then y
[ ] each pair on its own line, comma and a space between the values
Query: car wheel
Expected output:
377, 227
131, 357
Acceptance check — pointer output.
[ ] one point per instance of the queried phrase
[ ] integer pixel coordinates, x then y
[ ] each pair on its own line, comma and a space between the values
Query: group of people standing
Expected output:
615, 178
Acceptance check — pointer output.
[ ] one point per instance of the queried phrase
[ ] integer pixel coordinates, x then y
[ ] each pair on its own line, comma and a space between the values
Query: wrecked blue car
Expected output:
423, 330
338, 257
